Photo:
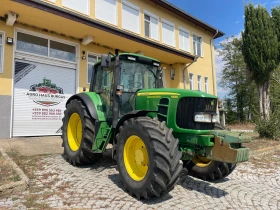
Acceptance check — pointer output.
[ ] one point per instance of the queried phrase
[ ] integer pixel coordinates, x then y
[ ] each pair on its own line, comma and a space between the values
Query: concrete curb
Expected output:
23, 183
265, 151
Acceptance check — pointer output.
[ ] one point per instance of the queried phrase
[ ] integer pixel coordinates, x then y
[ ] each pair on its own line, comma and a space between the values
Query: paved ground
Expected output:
56, 184
33, 145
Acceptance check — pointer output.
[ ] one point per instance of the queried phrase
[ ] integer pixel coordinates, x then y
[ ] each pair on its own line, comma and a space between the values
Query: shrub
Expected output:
269, 128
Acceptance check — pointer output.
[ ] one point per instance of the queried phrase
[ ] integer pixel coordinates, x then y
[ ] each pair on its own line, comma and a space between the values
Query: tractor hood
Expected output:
174, 92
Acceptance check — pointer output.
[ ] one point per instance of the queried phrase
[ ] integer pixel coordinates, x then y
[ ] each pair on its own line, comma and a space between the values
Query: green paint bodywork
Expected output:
102, 138
151, 102
98, 105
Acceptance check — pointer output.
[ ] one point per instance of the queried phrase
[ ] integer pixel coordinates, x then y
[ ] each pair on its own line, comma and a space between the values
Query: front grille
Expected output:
188, 106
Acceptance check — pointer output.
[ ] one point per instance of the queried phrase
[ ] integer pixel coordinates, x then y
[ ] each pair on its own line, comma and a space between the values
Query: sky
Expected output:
225, 15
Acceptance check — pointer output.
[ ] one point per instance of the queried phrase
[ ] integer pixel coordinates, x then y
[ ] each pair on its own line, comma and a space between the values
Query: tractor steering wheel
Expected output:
132, 85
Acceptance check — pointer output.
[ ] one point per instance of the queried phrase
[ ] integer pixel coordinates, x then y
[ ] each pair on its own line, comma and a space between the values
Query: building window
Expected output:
62, 51
184, 39
45, 47
197, 45
191, 81
106, 10
32, 44
206, 85
130, 17
151, 26
168, 34
1, 52
81, 6
92, 59
199, 82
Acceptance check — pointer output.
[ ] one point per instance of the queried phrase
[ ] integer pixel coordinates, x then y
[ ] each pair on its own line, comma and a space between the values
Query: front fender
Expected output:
92, 102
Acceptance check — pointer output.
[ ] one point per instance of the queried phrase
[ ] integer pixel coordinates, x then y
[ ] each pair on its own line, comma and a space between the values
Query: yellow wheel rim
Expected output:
201, 161
136, 158
74, 132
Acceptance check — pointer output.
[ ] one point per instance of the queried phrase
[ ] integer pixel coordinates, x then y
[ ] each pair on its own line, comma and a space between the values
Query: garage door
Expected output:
40, 93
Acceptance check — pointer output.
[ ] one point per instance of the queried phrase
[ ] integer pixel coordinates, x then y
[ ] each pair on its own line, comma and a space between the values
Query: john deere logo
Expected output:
46, 93
210, 107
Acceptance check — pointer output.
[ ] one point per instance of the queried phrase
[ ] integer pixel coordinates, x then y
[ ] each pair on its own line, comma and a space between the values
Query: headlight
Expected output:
202, 118
206, 118
215, 118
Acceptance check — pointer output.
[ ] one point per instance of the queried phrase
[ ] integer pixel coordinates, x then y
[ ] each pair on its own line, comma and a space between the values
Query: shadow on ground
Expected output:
204, 187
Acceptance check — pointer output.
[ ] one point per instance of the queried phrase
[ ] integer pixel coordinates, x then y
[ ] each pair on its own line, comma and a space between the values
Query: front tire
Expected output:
148, 158
210, 171
78, 134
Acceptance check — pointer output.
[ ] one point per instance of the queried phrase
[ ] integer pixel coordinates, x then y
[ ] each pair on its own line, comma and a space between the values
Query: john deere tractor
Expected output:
155, 131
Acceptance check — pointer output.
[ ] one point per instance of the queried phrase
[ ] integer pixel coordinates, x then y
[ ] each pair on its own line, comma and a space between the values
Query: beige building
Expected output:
51, 45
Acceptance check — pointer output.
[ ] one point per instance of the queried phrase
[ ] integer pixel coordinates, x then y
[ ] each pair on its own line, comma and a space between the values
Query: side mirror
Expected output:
172, 74
105, 61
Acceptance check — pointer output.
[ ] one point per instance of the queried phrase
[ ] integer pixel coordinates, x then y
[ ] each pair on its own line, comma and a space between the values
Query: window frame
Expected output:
199, 87
49, 38
3, 51
93, 54
185, 31
133, 6
191, 80
206, 84
174, 35
202, 51
151, 15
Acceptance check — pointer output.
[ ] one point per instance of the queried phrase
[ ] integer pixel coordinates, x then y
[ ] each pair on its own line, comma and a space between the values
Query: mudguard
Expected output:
93, 103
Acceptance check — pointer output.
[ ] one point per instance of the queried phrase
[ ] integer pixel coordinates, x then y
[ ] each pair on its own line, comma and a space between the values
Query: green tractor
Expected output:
155, 131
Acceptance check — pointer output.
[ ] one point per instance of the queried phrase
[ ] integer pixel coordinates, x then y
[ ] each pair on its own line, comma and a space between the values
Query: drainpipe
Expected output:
184, 71
211, 46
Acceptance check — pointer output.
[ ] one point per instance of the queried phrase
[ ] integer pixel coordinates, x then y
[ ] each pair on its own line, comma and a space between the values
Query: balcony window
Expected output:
106, 10
130, 17
197, 45
81, 6
168, 34
151, 26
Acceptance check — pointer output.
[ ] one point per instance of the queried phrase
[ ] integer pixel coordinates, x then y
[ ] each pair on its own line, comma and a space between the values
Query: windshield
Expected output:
135, 76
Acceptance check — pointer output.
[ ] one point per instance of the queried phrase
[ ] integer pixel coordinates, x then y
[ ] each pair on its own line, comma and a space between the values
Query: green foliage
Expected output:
260, 44
275, 89
269, 128
276, 20
242, 97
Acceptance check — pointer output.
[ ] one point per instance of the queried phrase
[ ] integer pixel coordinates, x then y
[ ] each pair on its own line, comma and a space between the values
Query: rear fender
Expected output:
92, 102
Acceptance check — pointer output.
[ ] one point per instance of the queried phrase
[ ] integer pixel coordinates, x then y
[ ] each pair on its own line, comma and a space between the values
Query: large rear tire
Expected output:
78, 134
148, 158
209, 170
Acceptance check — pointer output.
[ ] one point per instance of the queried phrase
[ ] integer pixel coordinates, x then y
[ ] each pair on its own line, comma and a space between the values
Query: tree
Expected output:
275, 12
275, 79
261, 52
234, 78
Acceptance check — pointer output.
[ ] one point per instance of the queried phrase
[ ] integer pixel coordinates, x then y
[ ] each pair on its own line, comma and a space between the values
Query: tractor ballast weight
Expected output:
154, 131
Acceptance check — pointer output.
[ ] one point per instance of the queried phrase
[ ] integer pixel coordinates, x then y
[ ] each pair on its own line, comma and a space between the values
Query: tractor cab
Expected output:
133, 73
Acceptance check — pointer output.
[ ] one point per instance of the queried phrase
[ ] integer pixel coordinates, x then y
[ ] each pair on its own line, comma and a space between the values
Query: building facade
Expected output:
48, 48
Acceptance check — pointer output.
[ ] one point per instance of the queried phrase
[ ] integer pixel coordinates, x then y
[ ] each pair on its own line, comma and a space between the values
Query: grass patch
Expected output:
31, 202
8, 174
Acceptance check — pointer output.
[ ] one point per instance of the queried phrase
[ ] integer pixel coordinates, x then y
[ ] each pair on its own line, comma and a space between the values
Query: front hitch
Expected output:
228, 147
